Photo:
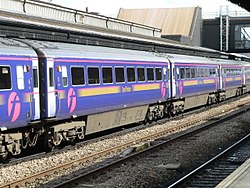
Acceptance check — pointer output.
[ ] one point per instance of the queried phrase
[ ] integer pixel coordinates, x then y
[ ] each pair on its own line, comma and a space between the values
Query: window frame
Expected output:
153, 74
124, 80
182, 77
137, 68
161, 74
134, 74
98, 74
84, 74
10, 71
112, 75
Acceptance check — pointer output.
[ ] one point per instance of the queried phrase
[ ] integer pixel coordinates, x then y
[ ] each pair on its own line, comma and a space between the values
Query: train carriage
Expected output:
18, 96
100, 88
231, 78
60, 91
195, 81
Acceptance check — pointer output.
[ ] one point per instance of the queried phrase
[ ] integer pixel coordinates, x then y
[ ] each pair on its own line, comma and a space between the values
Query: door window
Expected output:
64, 76
20, 77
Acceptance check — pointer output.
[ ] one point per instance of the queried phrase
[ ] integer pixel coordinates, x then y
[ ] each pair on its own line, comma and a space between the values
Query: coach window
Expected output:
64, 76
225, 72
150, 74
107, 75
141, 74
77, 75
201, 73
193, 72
119, 74
131, 74
20, 77
182, 73
158, 74
212, 72
206, 73
93, 75
188, 73
5, 77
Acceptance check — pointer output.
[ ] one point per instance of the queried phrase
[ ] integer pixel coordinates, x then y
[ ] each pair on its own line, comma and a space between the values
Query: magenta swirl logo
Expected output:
71, 100
14, 106
181, 87
163, 89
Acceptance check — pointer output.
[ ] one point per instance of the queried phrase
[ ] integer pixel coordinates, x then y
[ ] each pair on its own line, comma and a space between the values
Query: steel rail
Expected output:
32, 178
68, 183
186, 177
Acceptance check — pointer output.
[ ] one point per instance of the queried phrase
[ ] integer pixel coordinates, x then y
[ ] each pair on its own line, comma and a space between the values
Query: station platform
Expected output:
240, 178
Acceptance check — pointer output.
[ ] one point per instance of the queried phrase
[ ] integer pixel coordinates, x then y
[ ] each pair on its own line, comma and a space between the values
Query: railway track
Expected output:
117, 148
162, 142
30, 155
212, 172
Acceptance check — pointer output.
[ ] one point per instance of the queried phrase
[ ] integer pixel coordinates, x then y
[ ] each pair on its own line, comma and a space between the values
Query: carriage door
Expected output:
220, 75
244, 76
36, 97
51, 97
172, 79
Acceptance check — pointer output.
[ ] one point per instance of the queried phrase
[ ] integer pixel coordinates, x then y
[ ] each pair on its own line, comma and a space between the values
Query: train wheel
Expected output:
81, 136
5, 157
48, 145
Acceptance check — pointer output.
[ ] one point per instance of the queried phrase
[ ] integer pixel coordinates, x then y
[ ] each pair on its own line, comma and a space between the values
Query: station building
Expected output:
224, 32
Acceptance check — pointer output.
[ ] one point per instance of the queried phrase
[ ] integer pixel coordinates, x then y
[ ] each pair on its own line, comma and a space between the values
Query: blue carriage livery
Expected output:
195, 81
61, 91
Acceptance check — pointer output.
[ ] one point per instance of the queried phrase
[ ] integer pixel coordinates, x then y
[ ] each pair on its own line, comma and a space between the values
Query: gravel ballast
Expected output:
12, 172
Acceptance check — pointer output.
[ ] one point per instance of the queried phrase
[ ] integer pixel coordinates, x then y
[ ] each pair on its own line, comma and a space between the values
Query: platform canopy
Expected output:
242, 3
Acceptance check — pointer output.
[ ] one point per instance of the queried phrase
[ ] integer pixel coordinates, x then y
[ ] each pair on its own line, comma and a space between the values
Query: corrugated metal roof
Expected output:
172, 21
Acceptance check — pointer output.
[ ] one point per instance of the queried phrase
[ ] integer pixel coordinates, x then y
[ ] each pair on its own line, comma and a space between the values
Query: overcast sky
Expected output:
111, 7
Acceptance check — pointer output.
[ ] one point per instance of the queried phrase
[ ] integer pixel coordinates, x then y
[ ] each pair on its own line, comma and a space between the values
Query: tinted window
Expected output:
188, 73
131, 74
158, 73
119, 74
206, 73
77, 75
182, 73
212, 72
51, 77
200, 72
141, 74
150, 73
193, 72
93, 75
35, 77
5, 78
107, 75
